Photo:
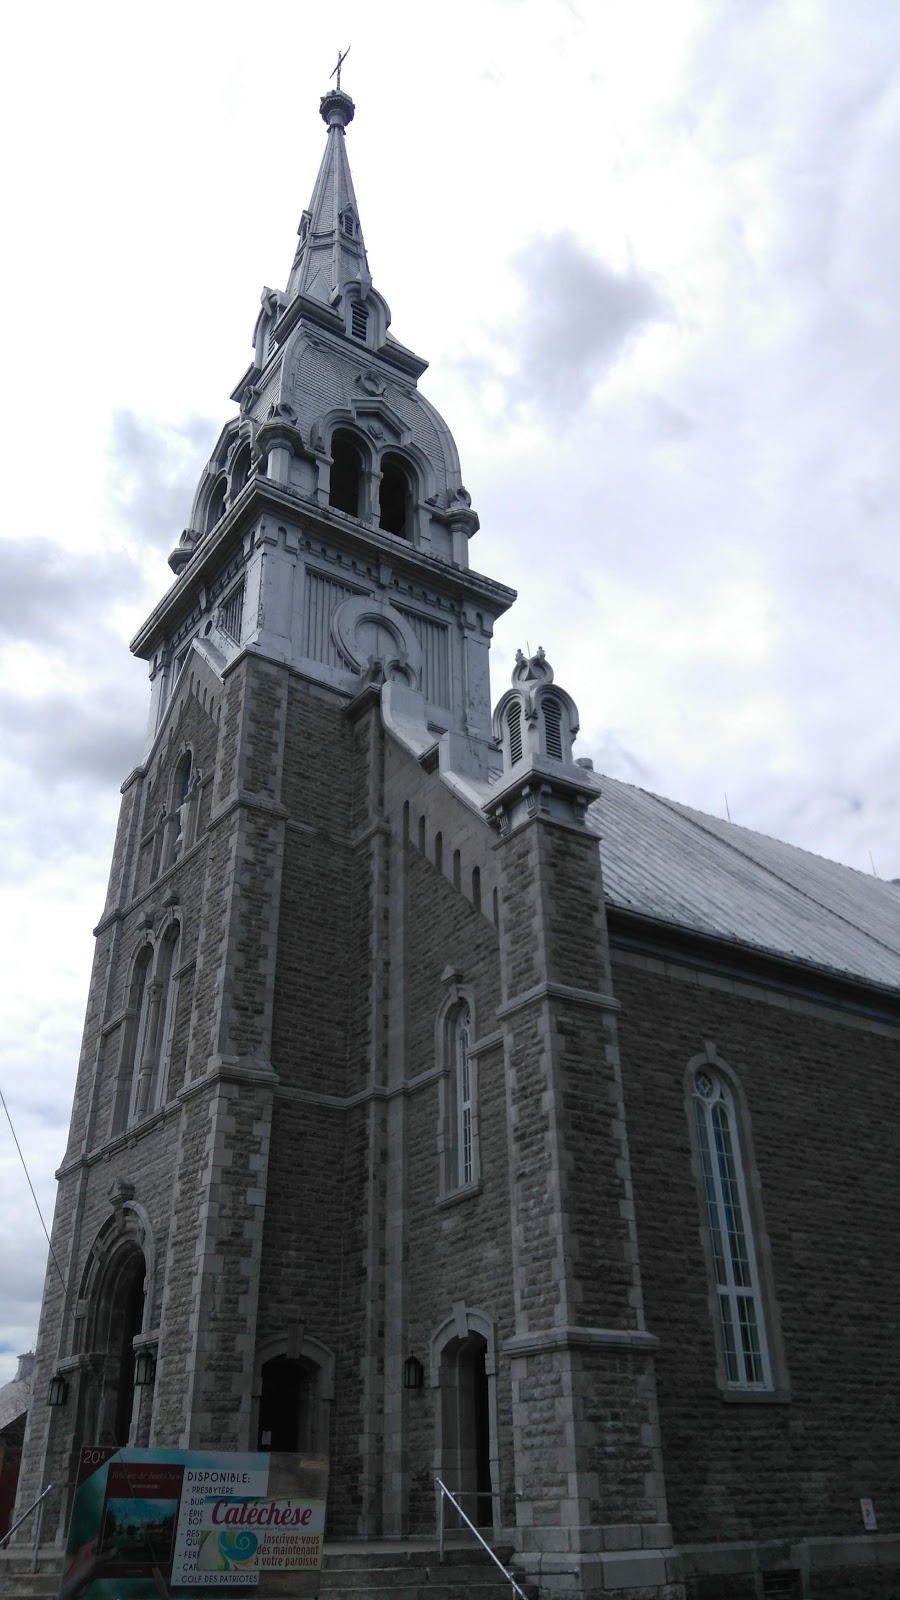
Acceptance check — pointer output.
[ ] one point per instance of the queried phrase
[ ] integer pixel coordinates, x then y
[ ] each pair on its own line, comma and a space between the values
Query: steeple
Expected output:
331, 252
330, 529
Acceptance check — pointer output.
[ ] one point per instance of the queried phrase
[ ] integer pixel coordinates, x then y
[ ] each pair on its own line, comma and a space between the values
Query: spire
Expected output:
331, 251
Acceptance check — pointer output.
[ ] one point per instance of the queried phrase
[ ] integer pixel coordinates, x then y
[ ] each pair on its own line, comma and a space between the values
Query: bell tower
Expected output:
330, 529
220, 1203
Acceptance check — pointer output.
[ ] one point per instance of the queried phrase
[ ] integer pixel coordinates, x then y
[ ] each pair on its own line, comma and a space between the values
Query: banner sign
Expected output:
192, 1519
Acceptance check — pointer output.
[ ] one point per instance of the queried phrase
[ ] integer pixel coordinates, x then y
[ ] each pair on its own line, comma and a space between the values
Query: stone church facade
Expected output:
444, 1107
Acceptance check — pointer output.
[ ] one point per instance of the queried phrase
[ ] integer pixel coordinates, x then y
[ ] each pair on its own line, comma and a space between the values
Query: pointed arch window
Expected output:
139, 1007
168, 973
741, 1325
183, 807
462, 1071
152, 1006
458, 1129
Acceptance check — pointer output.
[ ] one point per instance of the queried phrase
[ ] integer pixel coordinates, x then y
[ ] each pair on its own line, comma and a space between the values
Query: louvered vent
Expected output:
359, 320
231, 613
514, 724
553, 728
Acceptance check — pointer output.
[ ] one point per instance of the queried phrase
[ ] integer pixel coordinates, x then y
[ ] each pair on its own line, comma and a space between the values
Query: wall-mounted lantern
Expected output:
144, 1368
58, 1392
413, 1373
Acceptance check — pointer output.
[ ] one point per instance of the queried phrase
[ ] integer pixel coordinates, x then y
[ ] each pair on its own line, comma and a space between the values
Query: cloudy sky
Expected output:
651, 249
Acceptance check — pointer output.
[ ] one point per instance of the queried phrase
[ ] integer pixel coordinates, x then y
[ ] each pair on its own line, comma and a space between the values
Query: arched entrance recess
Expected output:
292, 1394
464, 1369
117, 1289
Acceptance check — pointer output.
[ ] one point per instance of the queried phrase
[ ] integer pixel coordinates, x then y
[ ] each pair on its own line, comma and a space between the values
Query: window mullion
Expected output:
728, 1290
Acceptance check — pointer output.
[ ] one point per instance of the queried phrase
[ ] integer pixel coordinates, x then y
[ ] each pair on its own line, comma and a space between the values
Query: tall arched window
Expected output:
168, 977
138, 1026
182, 814
741, 1322
458, 1125
395, 497
462, 1072
345, 493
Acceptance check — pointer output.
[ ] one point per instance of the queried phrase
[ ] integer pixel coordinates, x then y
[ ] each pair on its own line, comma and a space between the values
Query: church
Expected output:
445, 1107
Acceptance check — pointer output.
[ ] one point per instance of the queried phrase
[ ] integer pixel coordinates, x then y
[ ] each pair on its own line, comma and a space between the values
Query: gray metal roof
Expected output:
666, 861
15, 1398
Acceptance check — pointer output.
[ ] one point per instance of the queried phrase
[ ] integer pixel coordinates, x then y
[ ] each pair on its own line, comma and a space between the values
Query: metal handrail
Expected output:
472, 1528
25, 1515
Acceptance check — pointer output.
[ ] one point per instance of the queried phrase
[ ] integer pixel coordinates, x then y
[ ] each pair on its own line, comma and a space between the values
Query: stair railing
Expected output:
444, 1494
38, 1506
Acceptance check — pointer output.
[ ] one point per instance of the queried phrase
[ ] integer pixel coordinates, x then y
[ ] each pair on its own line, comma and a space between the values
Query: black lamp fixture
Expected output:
413, 1373
144, 1368
58, 1392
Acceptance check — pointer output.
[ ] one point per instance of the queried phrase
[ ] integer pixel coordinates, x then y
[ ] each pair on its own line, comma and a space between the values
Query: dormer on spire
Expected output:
330, 262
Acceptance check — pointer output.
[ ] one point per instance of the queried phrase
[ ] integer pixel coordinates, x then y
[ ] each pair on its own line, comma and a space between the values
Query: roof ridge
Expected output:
726, 822
693, 818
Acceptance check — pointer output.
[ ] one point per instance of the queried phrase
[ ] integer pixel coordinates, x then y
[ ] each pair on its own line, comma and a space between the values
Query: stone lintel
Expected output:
558, 991
572, 1338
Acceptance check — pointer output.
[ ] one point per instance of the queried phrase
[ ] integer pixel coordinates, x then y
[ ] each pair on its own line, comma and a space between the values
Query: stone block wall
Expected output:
817, 1084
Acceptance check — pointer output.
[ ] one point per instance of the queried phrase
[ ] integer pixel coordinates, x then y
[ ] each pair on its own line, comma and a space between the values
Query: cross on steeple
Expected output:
342, 56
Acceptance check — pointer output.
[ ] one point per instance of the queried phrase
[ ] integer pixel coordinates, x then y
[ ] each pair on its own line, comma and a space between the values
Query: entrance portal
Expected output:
465, 1426
287, 1405
118, 1319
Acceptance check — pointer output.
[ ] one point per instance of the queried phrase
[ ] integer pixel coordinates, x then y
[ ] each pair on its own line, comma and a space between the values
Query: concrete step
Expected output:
18, 1582
399, 1553
411, 1571
12, 1588
402, 1589
401, 1570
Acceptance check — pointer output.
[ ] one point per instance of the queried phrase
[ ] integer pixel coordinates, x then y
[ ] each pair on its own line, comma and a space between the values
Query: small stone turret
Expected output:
535, 724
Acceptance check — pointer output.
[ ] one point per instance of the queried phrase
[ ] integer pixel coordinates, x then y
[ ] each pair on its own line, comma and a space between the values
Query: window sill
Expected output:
756, 1397
454, 1196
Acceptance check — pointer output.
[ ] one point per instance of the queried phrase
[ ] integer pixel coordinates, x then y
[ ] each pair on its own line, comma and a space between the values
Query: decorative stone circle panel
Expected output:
367, 628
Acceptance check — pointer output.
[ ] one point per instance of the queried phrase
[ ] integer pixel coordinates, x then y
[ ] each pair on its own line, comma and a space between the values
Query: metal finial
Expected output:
342, 56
